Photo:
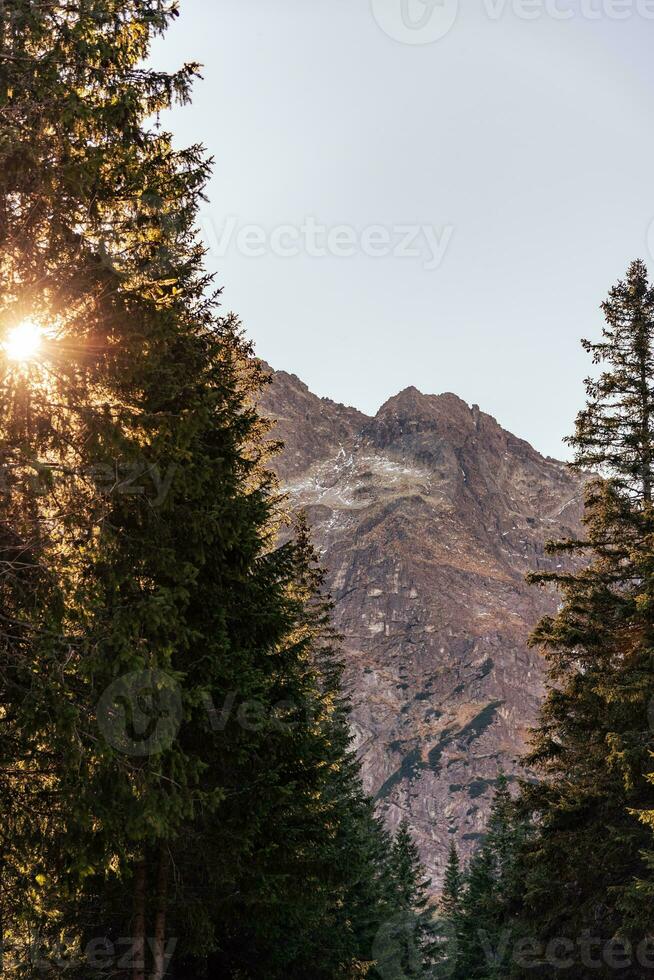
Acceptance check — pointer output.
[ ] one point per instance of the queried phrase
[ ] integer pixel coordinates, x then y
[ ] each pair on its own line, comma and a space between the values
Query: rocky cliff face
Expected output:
427, 517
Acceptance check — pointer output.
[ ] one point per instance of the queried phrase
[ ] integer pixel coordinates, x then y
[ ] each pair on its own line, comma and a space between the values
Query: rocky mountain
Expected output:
428, 517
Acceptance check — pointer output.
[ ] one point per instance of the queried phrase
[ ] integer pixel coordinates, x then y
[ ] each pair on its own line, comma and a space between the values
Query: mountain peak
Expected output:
427, 518
412, 401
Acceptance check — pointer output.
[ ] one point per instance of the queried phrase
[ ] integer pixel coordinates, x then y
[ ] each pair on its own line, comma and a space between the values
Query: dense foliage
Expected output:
177, 789
178, 792
575, 896
592, 748
407, 945
478, 904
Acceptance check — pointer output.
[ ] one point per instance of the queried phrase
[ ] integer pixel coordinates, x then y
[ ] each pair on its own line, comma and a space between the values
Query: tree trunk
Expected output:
138, 926
159, 948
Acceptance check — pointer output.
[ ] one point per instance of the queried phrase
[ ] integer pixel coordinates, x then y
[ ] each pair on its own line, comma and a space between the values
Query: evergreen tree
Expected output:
591, 748
481, 905
142, 580
450, 903
448, 927
316, 875
478, 925
406, 946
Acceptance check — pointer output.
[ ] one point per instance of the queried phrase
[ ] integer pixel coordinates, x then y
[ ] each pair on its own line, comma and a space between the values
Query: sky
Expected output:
424, 192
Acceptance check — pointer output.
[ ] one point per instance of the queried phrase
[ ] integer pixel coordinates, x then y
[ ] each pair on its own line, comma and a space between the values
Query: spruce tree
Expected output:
142, 576
450, 921
450, 903
486, 915
591, 747
316, 875
406, 946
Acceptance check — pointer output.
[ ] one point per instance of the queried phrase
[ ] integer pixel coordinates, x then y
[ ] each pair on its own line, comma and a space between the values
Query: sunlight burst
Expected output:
23, 341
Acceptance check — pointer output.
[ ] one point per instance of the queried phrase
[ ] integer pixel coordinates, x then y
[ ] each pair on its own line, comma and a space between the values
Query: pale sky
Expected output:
506, 145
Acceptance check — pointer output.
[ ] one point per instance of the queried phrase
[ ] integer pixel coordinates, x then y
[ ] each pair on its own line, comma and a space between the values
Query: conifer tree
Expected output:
142, 580
485, 916
407, 945
450, 903
450, 921
591, 747
316, 846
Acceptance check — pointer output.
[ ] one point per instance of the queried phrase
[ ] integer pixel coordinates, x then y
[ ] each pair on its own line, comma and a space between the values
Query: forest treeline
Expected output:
179, 795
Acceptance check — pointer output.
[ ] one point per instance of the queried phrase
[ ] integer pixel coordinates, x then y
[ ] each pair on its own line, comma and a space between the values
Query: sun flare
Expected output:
23, 341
